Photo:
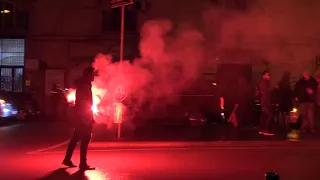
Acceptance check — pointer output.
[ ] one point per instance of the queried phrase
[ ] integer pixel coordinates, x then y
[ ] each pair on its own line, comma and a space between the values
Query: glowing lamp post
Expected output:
6, 11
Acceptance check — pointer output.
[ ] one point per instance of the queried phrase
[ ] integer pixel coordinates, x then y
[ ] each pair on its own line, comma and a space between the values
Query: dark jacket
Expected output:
300, 90
83, 102
285, 95
265, 90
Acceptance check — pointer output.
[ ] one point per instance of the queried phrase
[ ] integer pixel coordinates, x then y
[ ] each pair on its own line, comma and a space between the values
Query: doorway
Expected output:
11, 79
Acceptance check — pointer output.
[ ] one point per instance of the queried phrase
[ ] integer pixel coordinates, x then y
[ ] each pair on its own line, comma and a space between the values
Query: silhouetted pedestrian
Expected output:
265, 90
84, 120
305, 93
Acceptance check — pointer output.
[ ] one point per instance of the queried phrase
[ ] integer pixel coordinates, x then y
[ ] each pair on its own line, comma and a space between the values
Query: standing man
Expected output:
305, 93
84, 120
244, 101
265, 93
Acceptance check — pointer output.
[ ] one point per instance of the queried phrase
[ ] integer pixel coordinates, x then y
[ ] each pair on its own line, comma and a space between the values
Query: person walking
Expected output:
285, 101
265, 93
305, 93
84, 120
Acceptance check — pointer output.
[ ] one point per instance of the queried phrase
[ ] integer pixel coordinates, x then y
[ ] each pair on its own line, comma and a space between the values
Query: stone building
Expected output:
47, 42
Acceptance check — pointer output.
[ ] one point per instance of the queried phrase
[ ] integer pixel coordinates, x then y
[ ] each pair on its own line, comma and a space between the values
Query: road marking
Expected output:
49, 148
178, 148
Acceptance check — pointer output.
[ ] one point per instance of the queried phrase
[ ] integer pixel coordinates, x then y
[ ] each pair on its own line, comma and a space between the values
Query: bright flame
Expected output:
118, 112
99, 109
294, 110
71, 98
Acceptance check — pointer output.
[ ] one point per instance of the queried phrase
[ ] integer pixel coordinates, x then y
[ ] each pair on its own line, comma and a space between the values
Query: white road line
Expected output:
179, 148
49, 148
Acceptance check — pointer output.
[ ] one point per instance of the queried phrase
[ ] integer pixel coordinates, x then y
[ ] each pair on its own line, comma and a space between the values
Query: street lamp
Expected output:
5, 11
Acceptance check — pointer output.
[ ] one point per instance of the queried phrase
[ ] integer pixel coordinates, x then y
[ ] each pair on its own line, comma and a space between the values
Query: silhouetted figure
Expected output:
318, 98
305, 92
84, 119
244, 101
265, 90
285, 97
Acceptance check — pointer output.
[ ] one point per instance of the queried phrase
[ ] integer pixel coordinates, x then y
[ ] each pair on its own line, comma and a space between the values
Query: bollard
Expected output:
271, 176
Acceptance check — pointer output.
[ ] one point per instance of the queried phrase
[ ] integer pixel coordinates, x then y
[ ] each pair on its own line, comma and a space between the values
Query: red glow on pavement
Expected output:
90, 174
96, 175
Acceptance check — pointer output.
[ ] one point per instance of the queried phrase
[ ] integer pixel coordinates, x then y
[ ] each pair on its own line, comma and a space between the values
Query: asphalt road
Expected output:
31, 152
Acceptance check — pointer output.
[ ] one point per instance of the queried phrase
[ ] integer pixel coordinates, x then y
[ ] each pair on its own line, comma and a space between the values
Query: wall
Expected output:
283, 33
64, 34
67, 35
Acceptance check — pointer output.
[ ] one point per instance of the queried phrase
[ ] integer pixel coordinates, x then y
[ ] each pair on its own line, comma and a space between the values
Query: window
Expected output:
111, 20
12, 17
12, 52
11, 64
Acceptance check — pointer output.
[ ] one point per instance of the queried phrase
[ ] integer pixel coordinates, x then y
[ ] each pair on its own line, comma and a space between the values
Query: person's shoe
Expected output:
68, 163
268, 134
84, 167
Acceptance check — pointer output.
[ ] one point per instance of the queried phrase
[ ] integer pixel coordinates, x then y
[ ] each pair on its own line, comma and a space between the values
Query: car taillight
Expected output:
221, 102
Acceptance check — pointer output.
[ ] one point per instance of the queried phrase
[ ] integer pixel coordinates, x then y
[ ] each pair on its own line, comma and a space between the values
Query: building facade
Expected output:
50, 42
278, 35
63, 40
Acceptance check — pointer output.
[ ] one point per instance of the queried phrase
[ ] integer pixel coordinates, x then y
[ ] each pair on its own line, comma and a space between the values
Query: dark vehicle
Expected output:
198, 105
18, 105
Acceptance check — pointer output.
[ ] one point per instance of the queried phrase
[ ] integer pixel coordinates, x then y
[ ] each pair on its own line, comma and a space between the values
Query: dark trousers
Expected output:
82, 134
307, 112
265, 120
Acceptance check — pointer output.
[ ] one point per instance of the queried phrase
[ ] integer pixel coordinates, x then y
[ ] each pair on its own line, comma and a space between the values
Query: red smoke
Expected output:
169, 63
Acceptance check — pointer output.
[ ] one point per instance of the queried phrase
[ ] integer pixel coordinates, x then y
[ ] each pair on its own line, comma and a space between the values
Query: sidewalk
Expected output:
195, 134
199, 144
182, 133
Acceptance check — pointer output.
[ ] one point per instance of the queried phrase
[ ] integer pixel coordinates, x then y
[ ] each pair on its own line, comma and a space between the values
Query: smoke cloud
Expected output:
173, 58
170, 61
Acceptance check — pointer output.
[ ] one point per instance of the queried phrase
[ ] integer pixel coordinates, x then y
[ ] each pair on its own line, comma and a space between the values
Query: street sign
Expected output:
118, 3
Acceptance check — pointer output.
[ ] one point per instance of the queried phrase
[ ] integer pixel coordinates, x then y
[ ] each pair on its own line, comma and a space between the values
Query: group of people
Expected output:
305, 92
281, 97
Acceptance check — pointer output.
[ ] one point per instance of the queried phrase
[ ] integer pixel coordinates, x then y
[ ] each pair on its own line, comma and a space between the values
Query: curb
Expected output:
182, 144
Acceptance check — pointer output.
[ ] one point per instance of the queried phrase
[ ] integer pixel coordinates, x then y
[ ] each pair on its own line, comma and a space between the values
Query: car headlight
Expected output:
2, 102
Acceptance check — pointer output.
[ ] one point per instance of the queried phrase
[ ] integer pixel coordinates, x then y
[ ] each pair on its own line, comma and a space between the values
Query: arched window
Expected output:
12, 17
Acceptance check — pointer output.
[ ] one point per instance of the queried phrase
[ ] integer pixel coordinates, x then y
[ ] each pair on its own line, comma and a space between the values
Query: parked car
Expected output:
7, 109
18, 105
